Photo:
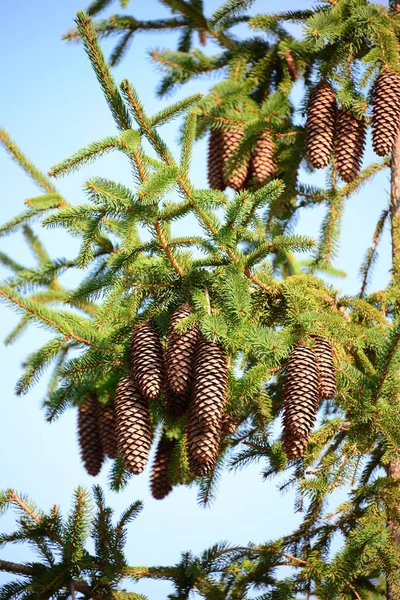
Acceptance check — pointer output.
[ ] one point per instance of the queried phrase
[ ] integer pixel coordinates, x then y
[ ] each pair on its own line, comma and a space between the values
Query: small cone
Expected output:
147, 360
108, 434
228, 424
320, 125
160, 482
262, 165
176, 404
230, 142
89, 438
301, 397
350, 143
133, 425
215, 161
327, 376
385, 112
180, 352
210, 383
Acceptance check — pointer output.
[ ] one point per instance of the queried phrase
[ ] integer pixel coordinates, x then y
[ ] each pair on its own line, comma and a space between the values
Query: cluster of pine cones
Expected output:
259, 167
191, 377
310, 377
331, 130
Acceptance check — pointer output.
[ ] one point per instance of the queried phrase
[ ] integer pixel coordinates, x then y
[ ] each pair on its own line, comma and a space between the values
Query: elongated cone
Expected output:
385, 112
262, 166
320, 125
206, 407
160, 482
176, 404
210, 382
108, 434
350, 143
180, 352
215, 162
301, 398
147, 360
327, 376
89, 438
230, 142
133, 425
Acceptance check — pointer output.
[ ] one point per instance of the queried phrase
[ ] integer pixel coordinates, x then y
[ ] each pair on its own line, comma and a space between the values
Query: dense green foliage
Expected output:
243, 276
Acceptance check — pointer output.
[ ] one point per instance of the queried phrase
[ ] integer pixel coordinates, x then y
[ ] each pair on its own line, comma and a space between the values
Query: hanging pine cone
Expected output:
203, 444
262, 166
215, 164
228, 424
180, 352
300, 400
230, 142
320, 125
385, 112
89, 438
160, 482
108, 435
147, 360
350, 143
133, 424
210, 383
176, 404
327, 376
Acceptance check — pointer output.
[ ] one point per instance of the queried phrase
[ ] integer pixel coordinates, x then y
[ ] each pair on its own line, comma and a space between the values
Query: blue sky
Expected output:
51, 104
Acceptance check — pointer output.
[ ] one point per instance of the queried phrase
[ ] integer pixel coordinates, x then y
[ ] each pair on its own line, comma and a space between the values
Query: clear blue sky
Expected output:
51, 105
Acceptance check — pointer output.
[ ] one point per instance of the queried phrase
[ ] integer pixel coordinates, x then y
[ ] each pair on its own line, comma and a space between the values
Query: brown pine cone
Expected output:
203, 445
160, 482
327, 376
301, 396
147, 360
180, 352
133, 425
350, 143
385, 112
228, 424
89, 438
262, 166
210, 383
108, 435
215, 161
176, 404
230, 142
320, 125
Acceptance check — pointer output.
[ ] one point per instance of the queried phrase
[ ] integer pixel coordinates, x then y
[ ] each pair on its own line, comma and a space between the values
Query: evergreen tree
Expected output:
270, 333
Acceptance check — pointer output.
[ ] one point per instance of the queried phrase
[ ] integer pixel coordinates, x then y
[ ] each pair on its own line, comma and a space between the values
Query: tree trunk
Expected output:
393, 470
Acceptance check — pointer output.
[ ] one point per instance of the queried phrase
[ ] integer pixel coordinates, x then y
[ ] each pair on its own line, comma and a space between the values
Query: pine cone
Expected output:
320, 125
203, 444
385, 112
350, 143
147, 360
327, 376
210, 383
262, 165
89, 438
214, 162
300, 400
180, 352
176, 404
160, 482
230, 141
228, 424
108, 435
133, 425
